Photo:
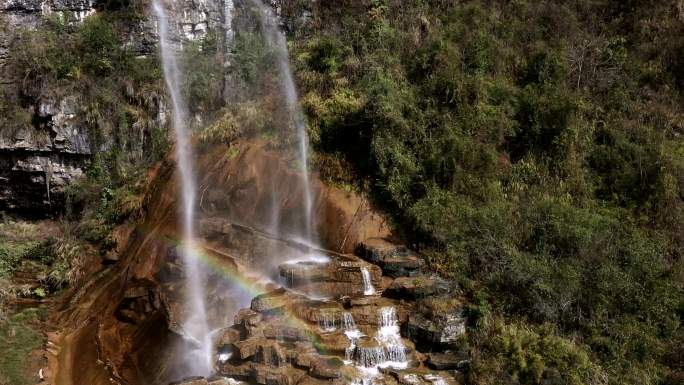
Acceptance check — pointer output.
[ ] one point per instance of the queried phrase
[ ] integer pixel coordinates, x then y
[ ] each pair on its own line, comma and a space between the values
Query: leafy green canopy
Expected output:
533, 150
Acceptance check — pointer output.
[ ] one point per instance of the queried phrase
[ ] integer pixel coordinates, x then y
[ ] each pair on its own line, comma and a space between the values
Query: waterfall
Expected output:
348, 322
389, 351
276, 38
388, 317
370, 357
353, 334
390, 338
327, 321
362, 381
195, 324
368, 288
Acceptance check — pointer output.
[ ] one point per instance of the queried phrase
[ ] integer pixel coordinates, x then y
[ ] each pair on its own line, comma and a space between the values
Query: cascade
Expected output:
195, 324
368, 288
388, 318
370, 356
348, 322
435, 379
390, 338
353, 334
327, 321
276, 39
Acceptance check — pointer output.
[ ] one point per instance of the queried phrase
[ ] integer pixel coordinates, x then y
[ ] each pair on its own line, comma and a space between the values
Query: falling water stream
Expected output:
195, 325
276, 38
368, 288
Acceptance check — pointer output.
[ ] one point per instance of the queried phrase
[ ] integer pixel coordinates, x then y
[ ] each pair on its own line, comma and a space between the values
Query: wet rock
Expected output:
308, 380
306, 360
450, 360
420, 377
342, 276
274, 300
229, 336
211, 227
437, 323
191, 381
248, 347
222, 381
326, 368
287, 333
264, 375
247, 317
395, 260
138, 304
366, 311
242, 371
271, 354
418, 287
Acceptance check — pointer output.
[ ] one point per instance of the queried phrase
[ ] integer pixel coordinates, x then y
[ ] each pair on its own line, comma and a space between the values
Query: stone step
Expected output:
394, 260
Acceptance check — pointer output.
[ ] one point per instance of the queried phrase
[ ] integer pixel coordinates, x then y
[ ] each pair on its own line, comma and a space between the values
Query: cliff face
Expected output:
59, 135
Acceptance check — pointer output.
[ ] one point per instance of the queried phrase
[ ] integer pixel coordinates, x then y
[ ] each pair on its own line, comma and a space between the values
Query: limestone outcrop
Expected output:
282, 319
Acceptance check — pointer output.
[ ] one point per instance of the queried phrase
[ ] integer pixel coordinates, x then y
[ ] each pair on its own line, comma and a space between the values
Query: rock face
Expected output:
56, 145
317, 326
37, 163
439, 322
290, 338
395, 260
28, 12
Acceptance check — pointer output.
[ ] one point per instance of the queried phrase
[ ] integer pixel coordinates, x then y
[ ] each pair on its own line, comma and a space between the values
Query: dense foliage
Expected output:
533, 150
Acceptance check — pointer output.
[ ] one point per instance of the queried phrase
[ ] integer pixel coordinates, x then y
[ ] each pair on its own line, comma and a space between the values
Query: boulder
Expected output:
222, 381
191, 381
418, 287
437, 323
450, 360
229, 336
326, 368
395, 260
248, 347
342, 276
271, 354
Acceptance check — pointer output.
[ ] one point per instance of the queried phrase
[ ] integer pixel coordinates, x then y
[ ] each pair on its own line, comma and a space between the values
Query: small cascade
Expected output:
390, 338
353, 334
368, 288
224, 355
362, 381
385, 350
388, 318
327, 321
435, 379
370, 356
348, 323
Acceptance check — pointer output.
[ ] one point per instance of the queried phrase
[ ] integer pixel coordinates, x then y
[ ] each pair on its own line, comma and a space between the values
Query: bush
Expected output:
532, 356
530, 150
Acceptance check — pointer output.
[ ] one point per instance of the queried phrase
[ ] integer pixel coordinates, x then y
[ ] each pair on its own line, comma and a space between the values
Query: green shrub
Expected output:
533, 356
532, 151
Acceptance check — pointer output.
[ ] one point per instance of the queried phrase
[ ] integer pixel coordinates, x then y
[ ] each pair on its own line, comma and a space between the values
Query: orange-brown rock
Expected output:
115, 329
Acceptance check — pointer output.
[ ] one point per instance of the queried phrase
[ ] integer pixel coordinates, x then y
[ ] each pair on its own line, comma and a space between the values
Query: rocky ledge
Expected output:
332, 323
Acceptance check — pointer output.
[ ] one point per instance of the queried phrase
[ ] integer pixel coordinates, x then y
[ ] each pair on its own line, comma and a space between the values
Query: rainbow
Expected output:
215, 261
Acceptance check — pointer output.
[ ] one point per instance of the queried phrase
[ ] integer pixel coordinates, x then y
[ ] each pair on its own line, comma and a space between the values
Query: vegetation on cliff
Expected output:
534, 151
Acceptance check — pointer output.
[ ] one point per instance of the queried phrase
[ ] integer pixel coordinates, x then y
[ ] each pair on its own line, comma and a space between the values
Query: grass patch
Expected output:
19, 336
